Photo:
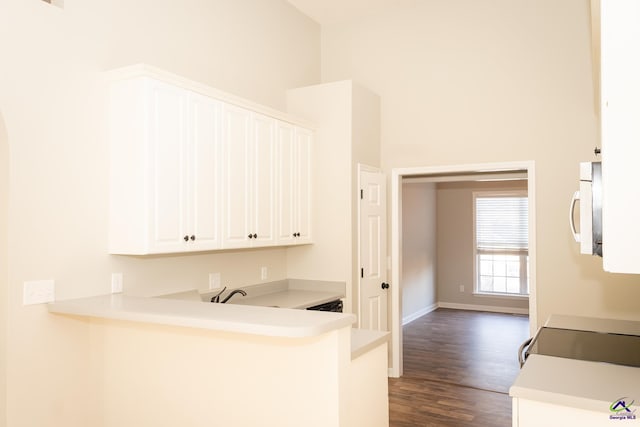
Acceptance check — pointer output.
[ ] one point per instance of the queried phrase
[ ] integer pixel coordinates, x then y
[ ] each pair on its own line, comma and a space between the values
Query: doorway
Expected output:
455, 172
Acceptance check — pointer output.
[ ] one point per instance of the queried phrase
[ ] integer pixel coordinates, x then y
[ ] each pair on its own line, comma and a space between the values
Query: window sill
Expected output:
497, 295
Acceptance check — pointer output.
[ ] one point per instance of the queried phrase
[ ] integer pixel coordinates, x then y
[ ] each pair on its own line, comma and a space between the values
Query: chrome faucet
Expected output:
233, 292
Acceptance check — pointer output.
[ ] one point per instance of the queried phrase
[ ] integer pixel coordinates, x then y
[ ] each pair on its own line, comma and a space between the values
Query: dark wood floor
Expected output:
458, 367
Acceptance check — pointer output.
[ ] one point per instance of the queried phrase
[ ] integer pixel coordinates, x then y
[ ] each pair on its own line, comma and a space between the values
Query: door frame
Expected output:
397, 175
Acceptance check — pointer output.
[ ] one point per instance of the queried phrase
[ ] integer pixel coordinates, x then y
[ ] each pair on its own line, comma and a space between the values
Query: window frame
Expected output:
524, 264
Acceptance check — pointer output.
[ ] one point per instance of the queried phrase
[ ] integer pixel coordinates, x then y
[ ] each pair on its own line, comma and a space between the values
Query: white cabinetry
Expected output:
620, 86
164, 149
294, 184
195, 169
249, 179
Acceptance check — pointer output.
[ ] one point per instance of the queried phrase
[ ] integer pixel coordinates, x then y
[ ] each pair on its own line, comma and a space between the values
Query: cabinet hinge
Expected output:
362, 273
361, 194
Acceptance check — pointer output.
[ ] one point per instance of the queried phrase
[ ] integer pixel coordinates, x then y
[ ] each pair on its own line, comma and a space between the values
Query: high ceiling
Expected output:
327, 12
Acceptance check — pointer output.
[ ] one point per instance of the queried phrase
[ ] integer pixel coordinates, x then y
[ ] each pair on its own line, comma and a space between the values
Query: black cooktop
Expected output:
586, 345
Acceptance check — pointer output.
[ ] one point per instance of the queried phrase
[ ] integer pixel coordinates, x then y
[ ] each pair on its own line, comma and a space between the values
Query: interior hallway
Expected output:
458, 367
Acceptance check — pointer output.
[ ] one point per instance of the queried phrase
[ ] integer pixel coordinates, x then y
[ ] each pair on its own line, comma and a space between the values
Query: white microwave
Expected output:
589, 196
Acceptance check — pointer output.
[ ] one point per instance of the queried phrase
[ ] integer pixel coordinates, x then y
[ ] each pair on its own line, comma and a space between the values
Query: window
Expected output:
501, 243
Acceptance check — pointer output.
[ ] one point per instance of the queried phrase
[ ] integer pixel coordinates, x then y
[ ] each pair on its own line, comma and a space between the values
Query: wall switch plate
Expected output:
38, 292
214, 280
264, 273
116, 283
461, 288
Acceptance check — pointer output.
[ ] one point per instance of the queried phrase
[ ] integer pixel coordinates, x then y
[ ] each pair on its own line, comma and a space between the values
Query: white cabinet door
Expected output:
168, 144
294, 184
263, 165
249, 179
204, 176
620, 80
237, 180
304, 141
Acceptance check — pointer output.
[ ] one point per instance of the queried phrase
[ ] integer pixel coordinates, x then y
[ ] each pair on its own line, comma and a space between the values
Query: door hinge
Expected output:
362, 273
361, 194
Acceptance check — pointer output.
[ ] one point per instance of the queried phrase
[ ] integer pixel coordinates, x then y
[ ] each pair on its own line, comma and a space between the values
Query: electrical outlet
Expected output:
461, 288
38, 292
264, 273
116, 283
214, 280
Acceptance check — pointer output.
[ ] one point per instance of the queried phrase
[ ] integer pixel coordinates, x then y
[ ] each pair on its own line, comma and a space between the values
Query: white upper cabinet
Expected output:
620, 97
294, 184
194, 169
249, 179
164, 181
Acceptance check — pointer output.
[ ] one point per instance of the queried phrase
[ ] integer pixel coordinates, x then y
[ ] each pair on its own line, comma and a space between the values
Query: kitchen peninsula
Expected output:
168, 362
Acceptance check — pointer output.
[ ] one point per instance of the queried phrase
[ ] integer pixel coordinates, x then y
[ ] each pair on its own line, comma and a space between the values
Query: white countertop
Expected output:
363, 340
577, 383
256, 320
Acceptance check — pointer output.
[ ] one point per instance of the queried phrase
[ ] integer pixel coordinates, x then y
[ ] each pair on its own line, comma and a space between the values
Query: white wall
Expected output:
51, 97
419, 260
467, 81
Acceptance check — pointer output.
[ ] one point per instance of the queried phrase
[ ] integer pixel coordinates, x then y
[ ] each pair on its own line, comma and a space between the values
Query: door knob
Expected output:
384, 285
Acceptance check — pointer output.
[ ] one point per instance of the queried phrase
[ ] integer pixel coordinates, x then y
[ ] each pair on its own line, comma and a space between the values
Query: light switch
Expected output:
38, 292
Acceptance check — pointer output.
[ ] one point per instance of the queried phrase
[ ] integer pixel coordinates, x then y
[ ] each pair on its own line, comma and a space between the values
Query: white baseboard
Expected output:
410, 318
474, 307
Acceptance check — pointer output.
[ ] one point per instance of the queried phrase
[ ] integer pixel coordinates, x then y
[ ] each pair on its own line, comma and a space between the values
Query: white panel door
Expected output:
286, 184
167, 114
294, 184
373, 249
204, 183
237, 177
263, 167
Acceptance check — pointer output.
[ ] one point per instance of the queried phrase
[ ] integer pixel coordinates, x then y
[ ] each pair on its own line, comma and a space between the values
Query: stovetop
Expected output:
618, 349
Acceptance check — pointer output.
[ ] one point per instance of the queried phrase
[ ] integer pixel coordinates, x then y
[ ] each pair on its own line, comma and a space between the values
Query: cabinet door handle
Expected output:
385, 285
193, 237
572, 223
255, 236
250, 236
186, 238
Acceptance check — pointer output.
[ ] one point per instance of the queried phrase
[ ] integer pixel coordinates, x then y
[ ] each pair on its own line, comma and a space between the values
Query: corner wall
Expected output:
53, 106
419, 260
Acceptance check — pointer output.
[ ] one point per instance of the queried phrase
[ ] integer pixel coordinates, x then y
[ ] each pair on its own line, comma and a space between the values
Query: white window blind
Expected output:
502, 223
501, 243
